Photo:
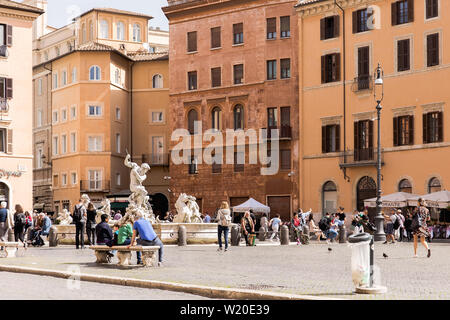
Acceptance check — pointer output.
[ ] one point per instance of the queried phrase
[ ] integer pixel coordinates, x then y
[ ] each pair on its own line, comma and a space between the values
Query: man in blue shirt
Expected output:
147, 237
207, 218
44, 230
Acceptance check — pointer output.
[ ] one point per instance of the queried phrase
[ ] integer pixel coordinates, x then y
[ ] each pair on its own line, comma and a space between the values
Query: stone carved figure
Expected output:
64, 218
106, 209
187, 209
85, 200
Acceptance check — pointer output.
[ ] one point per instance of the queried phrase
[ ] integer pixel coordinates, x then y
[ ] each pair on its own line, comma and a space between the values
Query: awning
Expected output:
394, 200
39, 206
439, 199
252, 204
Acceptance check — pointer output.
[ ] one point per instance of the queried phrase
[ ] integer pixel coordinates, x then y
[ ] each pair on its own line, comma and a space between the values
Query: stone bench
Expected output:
149, 254
8, 249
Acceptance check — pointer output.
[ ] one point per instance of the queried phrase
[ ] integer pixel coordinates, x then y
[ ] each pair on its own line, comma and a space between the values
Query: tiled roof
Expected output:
19, 6
144, 56
118, 11
95, 46
135, 56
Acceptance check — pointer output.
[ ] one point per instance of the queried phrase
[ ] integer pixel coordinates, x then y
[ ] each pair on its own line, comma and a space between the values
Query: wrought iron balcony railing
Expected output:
103, 186
359, 158
158, 159
362, 82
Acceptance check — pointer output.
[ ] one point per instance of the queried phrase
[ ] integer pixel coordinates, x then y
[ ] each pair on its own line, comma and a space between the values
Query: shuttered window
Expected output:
433, 49
216, 166
285, 159
9, 35
432, 8
285, 68
329, 27
238, 33
331, 67
238, 117
403, 130
238, 71
403, 55
192, 80
363, 140
2, 140
331, 138
6, 88
285, 26
271, 70
433, 127
3, 35
192, 118
215, 38
402, 12
271, 28
193, 165
192, 41
360, 18
216, 77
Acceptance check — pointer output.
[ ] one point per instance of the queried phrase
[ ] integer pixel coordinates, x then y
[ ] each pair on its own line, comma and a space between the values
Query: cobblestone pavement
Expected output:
307, 270
30, 287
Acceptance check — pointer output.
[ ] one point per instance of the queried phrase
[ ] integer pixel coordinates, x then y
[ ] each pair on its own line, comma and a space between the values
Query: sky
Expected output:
61, 12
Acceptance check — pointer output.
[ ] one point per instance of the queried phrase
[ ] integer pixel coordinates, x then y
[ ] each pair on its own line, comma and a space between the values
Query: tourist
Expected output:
118, 216
248, 226
332, 232
125, 232
297, 228
207, 218
264, 222
37, 226
275, 225
420, 229
390, 219
408, 226
28, 222
6, 222
224, 223
104, 234
45, 229
19, 224
341, 214
315, 229
91, 223
147, 236
401, 229
325, 223
79, 218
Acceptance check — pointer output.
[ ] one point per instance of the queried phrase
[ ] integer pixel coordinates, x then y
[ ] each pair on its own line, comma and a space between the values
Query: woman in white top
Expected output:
224, 222
314, 228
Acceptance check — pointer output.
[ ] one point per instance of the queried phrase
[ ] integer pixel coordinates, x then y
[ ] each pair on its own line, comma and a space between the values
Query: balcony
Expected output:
360, 158
284, 131
4, 107
102, 186
363, 82
156, 160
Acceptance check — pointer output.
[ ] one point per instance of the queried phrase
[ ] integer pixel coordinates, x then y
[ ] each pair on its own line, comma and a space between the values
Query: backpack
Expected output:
324, 224
20, 219
225, 219
77, 214
416, 222
397, 222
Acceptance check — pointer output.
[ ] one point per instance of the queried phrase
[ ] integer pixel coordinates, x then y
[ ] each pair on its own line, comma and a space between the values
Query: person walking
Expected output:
408, 226
224, 223
275, 225
402, 225
389, 230
297, 228
264, 222
91, 213
420, 228
248, 226
79, 218
19, 224
6, 222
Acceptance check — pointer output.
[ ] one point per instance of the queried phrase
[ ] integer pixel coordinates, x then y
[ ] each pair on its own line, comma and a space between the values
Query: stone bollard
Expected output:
262, 234
235, 235
284, 236
306, 234
182, 236
342, 235
53, 237
11, 235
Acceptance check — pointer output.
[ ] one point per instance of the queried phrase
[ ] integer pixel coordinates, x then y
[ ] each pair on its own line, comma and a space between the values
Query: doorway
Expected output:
366, 189
160, 205
4, 194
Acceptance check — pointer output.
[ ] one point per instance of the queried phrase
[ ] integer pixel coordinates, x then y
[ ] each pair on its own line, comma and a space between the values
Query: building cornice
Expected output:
21, 16
320, 7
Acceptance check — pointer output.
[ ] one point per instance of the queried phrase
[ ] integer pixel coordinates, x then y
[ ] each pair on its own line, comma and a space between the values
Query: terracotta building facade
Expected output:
233, 66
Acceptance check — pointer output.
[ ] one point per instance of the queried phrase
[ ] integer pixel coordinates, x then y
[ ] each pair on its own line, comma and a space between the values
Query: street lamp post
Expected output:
379, 219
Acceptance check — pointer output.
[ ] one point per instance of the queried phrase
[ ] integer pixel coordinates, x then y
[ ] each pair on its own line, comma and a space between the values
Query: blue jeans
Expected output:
331, 234
224, 230
127, 242
156, 242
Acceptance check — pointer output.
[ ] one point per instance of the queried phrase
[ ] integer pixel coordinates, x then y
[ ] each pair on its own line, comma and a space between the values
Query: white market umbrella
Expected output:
439, 199
394, 200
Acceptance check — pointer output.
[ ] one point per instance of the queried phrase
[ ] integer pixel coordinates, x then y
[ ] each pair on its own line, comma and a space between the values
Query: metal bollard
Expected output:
284, 236
262, 234
342, 234
235, 235
182, 236
53, 237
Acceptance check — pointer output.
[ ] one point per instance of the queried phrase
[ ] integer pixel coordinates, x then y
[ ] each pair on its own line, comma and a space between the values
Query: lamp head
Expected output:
379, 76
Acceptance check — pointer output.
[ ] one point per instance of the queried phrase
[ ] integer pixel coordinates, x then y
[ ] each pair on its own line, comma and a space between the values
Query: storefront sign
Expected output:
7, 174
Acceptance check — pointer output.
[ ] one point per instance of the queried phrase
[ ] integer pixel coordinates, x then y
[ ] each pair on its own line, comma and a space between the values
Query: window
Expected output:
157, 81
239, 161
117, 76
55, 81
192, 41
55, 146
73, 142
137, 33
63, 115
363, 68
285, 159
120, 31
73, 178
117, 113
6, 88
91, 30
285, 26
94, 73
118, 142
238, 33
403, 130
216, 165
433, 49
238, 72
433, 129
95, 144
193, 165
158, 150
271, 69
39, 160
74, 74
73, 113
285, 68
2, 35
83, 33
118, 179
331, 141
39, 118
271, 28
157, 117
192, 80
331, 67
192, 118
45, 56
216, 77
95, 111
6, 36
2, 140
216, 118
57, 51
272, 118
363, 131
95, 179
360, 18
55, 116
104, 29
238, 115
63, 144
216, 38
432, 7
64, 179
402, 12
56, 184
405, 186
39, 89
434, 185
329, 27
403, 55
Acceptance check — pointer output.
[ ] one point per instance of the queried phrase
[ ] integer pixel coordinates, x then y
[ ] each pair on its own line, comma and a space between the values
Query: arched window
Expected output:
69, 46
136, 33
238, 117
95, 73
83, 33
91, 30
104, 29
366, 189
120, 31
329, 197
192, 118
157, 81
434, 185
405, 186
216, 118
57, 51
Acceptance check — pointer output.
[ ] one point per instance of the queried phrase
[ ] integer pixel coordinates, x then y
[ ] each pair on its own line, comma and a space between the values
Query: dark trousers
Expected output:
155, 242
79, 234
249, 232
90, 231
18, 233
225, 231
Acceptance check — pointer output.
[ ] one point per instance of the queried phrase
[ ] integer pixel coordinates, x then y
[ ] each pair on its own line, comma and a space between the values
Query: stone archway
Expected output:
366, 189
4, 193
160, 205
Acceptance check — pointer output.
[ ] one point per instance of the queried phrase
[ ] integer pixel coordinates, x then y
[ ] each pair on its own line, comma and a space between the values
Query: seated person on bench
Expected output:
42, 229
104, 233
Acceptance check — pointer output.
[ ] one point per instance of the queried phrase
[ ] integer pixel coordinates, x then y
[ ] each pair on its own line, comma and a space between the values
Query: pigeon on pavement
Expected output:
385, 255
